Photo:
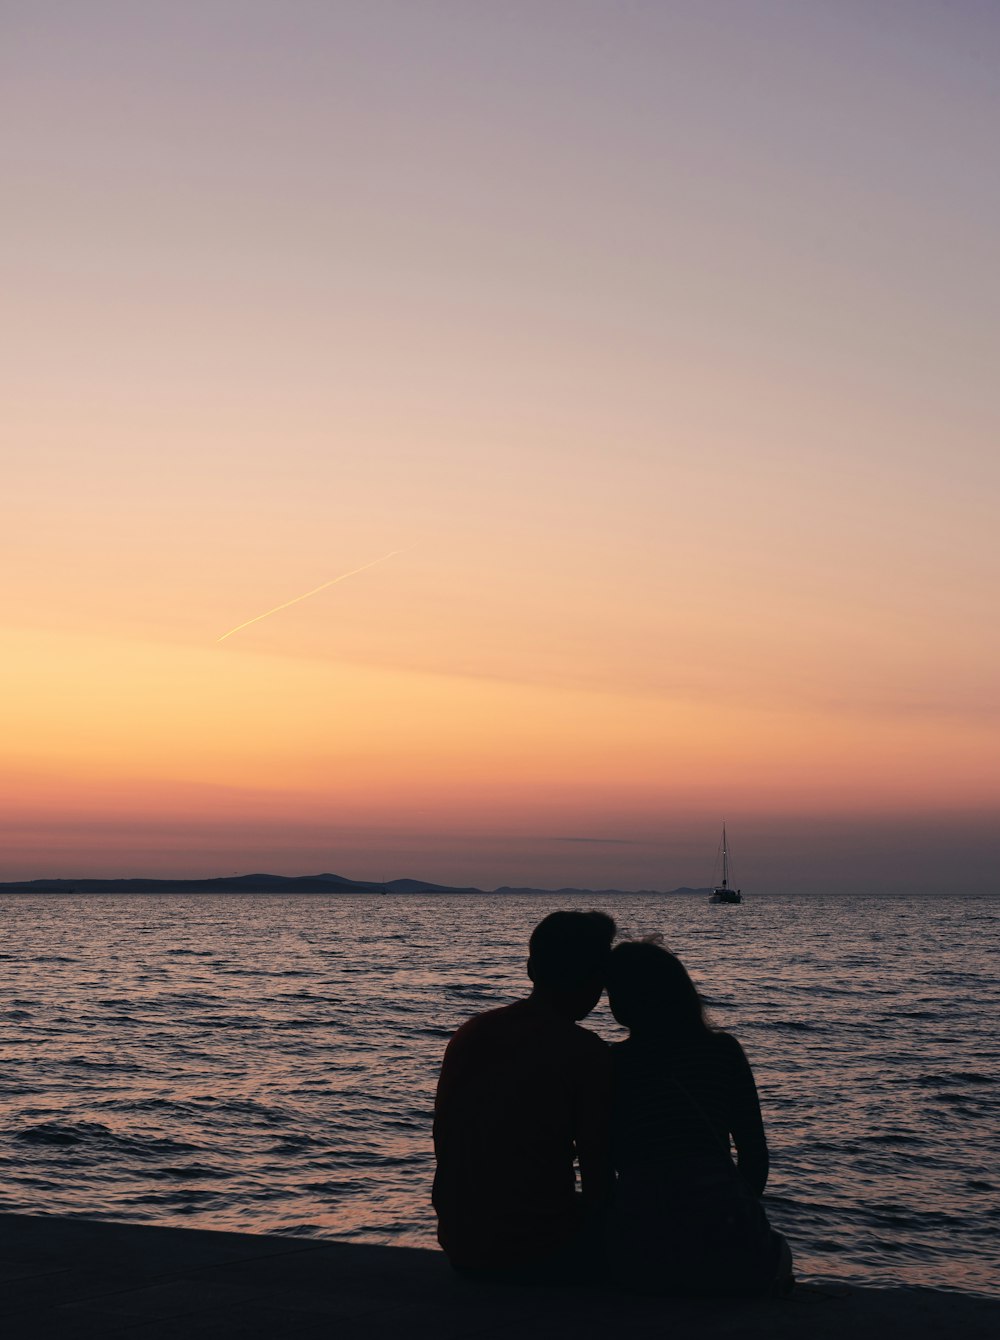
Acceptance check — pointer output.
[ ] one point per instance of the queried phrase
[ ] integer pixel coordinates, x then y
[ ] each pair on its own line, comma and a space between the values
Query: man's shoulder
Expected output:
487, 1022
521, 1020
490, 1026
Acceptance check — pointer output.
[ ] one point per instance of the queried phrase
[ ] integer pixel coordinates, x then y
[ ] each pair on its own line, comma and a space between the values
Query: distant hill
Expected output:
327, 883
259, 883
602, 893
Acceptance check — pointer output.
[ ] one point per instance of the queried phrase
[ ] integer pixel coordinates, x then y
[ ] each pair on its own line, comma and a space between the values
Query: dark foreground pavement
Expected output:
75, 1278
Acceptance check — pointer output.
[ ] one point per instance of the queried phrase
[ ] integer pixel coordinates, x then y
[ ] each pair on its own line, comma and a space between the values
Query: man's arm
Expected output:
593, 1128
451, 1084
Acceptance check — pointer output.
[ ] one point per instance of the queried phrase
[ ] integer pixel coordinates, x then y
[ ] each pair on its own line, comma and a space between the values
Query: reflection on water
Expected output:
267, 1063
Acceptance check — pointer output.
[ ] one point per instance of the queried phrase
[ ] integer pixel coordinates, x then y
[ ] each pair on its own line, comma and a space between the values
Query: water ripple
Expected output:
268, 1064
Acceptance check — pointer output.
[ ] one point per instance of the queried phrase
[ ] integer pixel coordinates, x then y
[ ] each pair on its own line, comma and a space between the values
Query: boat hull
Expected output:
726, 896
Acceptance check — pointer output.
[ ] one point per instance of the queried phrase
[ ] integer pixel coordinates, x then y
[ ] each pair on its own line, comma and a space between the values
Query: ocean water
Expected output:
267, 1063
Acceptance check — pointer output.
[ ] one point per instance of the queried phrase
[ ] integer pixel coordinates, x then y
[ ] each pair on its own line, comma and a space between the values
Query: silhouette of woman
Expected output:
685, 1219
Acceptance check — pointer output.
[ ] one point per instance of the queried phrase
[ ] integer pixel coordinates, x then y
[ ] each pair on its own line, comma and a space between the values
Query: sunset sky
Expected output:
660, 341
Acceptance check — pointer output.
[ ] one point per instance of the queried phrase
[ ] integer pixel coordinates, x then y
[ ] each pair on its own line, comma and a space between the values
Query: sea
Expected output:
266, 1063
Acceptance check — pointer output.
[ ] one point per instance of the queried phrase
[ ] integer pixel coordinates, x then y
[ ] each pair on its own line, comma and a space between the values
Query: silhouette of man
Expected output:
523, 1090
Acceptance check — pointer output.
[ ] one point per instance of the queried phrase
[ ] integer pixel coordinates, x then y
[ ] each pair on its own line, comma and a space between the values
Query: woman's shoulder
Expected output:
713, 1047
727, 1047
725, 1041
730, 1055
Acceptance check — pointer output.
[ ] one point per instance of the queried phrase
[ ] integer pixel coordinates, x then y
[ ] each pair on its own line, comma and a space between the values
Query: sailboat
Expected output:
723, 893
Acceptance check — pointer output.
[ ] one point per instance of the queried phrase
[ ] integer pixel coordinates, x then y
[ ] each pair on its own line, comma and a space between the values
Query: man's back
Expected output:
522, 1090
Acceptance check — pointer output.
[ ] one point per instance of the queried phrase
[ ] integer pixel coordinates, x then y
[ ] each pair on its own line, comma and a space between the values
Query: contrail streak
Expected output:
314, 592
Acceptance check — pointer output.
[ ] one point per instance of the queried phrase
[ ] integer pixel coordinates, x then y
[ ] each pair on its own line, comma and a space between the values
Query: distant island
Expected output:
301, 884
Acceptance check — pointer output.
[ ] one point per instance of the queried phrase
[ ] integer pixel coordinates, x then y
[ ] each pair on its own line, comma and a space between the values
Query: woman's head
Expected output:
650, 991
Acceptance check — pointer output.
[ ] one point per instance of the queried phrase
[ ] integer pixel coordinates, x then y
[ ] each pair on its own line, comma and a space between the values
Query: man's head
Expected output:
568, 959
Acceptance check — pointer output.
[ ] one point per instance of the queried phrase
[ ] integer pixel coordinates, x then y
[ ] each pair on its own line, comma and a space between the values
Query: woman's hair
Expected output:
649, 990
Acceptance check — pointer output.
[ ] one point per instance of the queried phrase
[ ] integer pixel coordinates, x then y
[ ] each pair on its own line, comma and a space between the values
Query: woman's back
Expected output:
680, 1097
684, 1218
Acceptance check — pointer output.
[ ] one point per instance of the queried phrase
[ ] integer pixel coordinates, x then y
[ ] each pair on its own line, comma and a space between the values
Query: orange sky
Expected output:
662, 346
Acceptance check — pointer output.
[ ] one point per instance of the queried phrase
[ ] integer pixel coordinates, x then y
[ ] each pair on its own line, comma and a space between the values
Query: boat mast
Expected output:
725, 858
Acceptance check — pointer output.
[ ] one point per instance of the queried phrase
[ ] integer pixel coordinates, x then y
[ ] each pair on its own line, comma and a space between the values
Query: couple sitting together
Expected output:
525, 1092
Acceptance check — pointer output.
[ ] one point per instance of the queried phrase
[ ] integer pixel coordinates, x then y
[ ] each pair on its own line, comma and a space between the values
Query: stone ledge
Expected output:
78, 1278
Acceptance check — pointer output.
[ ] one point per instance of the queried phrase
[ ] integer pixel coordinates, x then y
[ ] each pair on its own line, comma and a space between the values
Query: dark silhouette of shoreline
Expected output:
308, 884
